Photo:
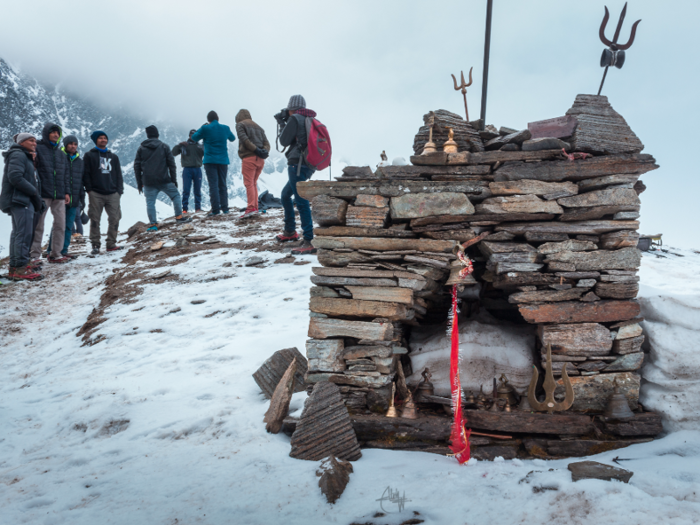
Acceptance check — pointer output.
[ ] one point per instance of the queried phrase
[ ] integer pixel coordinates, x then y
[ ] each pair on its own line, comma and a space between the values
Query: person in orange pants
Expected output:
253, 149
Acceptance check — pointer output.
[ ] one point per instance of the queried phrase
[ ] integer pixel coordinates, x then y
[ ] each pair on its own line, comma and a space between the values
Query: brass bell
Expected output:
507, 391
391, 412
524, 405
507, 407
469, 399
409, 410
481, 399
425, 387
495, 407
617, 407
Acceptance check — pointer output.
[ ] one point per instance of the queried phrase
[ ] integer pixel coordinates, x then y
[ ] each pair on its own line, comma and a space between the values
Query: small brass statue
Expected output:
550, 404
392, 409
409, 410
507, 391
450, 146
430, 146
425, 387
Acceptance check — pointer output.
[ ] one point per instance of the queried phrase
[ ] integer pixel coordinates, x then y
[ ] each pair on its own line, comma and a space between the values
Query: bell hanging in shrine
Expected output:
617, 407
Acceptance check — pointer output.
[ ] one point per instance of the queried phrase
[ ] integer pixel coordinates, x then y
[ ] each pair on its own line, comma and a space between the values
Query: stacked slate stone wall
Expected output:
561, 252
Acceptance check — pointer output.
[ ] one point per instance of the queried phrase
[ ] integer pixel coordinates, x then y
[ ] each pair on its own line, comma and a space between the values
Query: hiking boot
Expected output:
115, 248
70, 255
11, 272
305, 248
95, 250
184, 212
286, 236
45, 255
225, 212
182, 219
58, 260
248, 213
213, 214
198, 210
23, 274
152, 228
36, 264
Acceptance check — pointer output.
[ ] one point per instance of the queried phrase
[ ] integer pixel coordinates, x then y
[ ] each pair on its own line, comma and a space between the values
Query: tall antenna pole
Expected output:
487, 50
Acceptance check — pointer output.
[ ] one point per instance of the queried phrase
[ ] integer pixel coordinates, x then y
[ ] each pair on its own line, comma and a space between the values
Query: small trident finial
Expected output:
615, 54
549, 404
463, 86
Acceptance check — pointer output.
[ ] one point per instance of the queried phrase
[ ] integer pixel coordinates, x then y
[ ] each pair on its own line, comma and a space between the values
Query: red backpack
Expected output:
318, 145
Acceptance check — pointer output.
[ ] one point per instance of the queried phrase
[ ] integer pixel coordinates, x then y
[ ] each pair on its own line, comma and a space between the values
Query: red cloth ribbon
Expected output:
460, 436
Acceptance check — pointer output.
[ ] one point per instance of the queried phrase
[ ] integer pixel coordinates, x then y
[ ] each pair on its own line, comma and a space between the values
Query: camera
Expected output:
282, 116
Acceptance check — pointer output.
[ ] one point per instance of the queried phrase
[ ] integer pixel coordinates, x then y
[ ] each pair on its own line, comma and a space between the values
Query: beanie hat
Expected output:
192, 132
21, 137
152, 132
97, 134
70, 139
212, 116
296, 102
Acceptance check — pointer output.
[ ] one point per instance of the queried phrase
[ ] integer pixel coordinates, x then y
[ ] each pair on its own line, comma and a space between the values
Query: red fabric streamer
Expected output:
460, 436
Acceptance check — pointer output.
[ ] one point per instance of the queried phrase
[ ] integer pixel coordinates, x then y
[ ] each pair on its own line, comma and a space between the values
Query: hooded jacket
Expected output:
102, 172
250, 135
51, 164
215, 137
191, 153
74, 180
20, 182
154, 164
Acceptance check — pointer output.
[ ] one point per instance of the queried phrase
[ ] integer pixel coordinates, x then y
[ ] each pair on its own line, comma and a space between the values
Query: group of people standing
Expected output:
49, 174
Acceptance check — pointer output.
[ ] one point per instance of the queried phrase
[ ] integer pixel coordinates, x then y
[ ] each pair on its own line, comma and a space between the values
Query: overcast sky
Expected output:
371, 69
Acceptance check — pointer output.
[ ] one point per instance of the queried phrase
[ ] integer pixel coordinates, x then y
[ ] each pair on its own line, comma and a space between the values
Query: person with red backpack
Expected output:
309, 150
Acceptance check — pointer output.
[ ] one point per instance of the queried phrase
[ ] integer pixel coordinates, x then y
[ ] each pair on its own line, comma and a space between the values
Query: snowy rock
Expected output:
594, 470
271, 371
335, 475
254, 261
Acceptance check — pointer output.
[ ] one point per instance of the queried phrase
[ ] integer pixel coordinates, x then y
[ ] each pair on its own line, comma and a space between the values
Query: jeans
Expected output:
110, 204
23, 223
78, 228
218, 189
151, 193
70, 225
58, 210
189, 176
303, 205
252, 168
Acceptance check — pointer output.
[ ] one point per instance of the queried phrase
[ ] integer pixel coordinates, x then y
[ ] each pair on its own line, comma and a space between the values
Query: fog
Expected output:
371, 69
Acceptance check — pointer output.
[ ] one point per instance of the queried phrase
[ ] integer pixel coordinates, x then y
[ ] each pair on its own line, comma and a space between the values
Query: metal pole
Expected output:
487, 50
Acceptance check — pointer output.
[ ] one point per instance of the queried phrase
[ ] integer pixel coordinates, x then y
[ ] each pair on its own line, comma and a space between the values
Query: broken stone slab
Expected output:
622, 259
628, 331
335, 476
350, 379
516, 137
181, 242
628, 346
617, 290
254, 261
621, 239
598, 183
594, 212
518, 204
325, 355
571, 228
559, 127
532, 187
546, 296
545, 143
586, 283
320, 328
608, 197
587, 339
579, 312
510, 147
537, 237
271, 371
489, 248
361, 351
570, 245
324, 427
626, 215
328, 211
416, 205
279, 403
375, 201
465, 135
592, 393
627, 362
594, 470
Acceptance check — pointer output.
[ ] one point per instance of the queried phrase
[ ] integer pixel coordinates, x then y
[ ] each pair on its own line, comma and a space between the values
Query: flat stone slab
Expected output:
594, 470
415, 205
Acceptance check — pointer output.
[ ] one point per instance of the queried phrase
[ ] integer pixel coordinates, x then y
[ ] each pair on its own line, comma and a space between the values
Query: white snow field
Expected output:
160, 421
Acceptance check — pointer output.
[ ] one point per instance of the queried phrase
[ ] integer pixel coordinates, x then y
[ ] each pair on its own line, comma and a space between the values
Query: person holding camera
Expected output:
293, 134
253, 149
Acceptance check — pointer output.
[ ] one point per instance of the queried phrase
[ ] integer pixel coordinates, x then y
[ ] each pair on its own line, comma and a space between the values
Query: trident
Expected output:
549, 404
464, 87
615, 55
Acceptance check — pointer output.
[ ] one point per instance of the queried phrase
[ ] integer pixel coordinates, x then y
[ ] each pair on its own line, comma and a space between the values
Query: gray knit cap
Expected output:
296, 102
70, 139
21, 137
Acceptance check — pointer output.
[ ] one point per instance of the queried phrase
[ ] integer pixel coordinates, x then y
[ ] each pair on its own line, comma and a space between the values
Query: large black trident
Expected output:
615, 54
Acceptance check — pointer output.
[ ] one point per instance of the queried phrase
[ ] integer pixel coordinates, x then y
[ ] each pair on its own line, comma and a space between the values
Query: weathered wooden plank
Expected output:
518, 204
386, 188
351, 281
383, 244
546, 296
622, 259
384, 294
583, 227
576, 339
580, 312
532, 187
320, 328
557, 171
328, 211
357, 308
346, 231
372, 274
607, 197
416, 205
366, 216
529, 423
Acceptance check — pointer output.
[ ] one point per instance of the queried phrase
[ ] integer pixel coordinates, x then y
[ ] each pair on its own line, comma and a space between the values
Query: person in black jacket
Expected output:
104, 185
191, 159
21, 198
155, 170
52, 168
74, 186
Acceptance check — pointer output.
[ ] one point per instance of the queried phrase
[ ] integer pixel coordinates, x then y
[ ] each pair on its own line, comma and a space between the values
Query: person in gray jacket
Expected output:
191, 153
155, 170
21, 198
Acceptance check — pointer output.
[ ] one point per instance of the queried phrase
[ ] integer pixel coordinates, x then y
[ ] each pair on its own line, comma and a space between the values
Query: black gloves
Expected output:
262, 153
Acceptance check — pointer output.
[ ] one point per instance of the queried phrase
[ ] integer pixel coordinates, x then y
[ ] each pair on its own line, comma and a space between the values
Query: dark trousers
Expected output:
78, 222
191, 177
23, 224
218, 189
304, 207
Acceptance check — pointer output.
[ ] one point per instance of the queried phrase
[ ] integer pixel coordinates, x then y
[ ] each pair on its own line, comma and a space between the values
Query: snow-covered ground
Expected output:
160, 421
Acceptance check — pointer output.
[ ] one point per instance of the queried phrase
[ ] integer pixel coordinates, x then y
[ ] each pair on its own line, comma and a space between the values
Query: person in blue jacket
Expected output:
215, 137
